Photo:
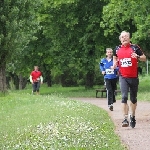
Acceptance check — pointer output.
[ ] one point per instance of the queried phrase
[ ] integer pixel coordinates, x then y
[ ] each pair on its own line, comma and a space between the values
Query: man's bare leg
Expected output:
132, 117
125, 109
133, 108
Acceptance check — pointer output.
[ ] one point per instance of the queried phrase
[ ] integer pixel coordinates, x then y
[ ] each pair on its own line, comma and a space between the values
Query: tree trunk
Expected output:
16, 81
89, 80
8, 79
47, 77
22, 82
3, 88
49, 82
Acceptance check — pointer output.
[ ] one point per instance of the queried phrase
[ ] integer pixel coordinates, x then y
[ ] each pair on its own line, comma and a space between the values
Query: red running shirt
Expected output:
36, 76
127, 65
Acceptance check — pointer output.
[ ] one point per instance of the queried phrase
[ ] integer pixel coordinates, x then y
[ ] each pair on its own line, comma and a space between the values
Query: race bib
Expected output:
109, 71
126, 62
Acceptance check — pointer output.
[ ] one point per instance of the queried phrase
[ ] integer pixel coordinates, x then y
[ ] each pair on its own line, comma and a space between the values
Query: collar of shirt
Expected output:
128, 45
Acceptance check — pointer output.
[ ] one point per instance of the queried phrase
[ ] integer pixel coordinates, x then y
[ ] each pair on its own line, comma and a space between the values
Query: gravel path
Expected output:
137, 138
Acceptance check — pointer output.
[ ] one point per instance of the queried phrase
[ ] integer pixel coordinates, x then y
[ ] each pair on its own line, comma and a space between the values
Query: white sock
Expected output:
126, 116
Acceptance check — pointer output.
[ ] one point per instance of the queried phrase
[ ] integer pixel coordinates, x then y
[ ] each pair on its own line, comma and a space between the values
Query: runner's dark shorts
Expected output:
126, 85
36, 86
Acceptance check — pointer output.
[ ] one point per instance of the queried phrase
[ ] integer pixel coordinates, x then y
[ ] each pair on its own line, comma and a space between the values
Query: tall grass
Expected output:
143, 92
53, 122
65, 91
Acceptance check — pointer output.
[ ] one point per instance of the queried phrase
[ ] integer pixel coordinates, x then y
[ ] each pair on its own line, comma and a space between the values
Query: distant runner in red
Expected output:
126, 56
36, 79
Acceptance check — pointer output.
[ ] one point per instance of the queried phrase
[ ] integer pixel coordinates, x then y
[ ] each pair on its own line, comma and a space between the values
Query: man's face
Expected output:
36, 68
125, 38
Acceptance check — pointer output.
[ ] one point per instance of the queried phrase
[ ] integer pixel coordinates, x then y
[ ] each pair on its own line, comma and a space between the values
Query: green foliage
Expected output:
53, 122
18, 23
66, 38
130, 15
74, 31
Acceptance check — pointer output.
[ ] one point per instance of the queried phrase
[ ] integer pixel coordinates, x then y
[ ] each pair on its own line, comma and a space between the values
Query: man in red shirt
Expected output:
36, 79
126, 57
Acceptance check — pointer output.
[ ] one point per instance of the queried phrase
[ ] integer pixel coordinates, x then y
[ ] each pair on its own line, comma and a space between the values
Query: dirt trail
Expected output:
137, 138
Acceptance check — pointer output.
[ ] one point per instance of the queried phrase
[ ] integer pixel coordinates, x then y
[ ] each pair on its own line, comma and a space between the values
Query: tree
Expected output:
90, 15
38, 52
130, 15
76, 36
18, 22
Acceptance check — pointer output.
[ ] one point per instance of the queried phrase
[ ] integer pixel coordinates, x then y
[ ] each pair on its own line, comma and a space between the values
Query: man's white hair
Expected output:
123, 33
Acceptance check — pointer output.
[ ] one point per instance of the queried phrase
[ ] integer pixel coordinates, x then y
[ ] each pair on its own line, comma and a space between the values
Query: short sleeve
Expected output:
138, 50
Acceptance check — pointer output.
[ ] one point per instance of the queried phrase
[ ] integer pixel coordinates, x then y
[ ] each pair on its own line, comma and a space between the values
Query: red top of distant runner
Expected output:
36, 76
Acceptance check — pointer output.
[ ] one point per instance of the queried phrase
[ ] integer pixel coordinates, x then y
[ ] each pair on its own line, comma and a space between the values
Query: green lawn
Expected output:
54, 122
144, 89
143, 92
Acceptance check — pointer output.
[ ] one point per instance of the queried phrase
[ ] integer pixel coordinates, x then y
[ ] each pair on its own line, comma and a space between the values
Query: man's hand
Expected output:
115, 63
134, 55
113, 67
103, 72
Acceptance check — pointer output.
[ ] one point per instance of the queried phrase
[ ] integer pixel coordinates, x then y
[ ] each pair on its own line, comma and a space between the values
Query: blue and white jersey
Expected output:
105, 65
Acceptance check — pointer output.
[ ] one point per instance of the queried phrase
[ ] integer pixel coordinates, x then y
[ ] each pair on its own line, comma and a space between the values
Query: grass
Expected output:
143, 92
54, 122
65, 91
144, 88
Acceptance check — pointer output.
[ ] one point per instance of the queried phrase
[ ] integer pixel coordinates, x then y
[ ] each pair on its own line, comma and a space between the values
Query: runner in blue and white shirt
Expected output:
110, 77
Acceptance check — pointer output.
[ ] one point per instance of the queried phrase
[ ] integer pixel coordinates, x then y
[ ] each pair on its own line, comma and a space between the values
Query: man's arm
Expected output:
115, 62
101, 65
41, 78
31, 79
115, 58
142, 57
138, 53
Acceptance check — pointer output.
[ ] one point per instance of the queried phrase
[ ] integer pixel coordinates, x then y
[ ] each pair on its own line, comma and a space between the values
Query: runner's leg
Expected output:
109, 93
33, 88
114, 85
38, 88
124, 92
133, 95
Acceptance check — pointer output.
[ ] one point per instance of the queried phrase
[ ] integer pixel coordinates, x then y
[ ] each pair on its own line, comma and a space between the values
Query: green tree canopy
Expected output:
130, 15
18, 23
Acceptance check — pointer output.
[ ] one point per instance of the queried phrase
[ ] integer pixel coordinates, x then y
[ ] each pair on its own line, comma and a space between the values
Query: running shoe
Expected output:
132, 121
111, 107
125, 123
